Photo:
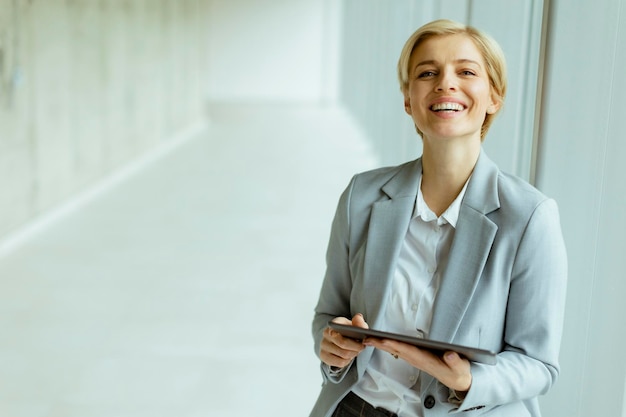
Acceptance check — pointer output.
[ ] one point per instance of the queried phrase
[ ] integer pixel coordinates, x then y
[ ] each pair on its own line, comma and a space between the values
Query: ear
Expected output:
407, 105
495, 104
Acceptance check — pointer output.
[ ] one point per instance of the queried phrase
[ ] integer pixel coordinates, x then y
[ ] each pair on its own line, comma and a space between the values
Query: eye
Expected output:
468, 72
426, 74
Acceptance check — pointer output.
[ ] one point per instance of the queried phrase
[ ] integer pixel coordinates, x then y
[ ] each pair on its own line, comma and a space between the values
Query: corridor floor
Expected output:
186, 290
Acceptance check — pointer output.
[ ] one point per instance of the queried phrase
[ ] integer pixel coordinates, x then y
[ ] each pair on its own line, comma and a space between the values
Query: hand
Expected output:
339, 351
451, 370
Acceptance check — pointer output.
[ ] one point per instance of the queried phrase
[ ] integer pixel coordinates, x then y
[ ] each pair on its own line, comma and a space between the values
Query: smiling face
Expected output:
449, 94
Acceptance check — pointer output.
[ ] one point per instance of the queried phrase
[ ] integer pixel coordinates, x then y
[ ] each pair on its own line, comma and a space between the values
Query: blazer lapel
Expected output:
474, 236
473, 239
472, 242
388, 224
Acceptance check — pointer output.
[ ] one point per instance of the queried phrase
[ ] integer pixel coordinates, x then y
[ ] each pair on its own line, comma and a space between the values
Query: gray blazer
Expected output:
503, 288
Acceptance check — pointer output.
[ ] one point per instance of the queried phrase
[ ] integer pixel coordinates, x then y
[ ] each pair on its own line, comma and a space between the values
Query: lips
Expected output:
447, 106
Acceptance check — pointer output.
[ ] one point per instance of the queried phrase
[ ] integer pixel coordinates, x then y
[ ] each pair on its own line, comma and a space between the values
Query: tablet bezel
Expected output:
473, 354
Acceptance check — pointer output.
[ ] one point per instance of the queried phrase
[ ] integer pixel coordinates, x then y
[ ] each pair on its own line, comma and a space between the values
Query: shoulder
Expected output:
517, 194
381, 184
521, 204
390, 181
506, 199
380, 176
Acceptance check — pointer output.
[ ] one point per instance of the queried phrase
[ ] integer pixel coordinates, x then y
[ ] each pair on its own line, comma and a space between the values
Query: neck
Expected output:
445, 170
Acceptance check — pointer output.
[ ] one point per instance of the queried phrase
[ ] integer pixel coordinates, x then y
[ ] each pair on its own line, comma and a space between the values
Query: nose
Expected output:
446, 82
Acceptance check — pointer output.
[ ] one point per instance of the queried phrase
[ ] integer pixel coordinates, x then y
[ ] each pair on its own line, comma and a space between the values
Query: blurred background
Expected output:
169, 170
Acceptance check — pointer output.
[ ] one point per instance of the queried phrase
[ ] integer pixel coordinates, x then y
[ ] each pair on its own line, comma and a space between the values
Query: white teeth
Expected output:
447, 106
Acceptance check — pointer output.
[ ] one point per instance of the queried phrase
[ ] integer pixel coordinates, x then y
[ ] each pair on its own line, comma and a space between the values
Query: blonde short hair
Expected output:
487, 46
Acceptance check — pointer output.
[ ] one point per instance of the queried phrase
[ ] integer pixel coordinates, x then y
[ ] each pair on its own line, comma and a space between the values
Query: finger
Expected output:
452, 359
333, 360
394, 348
334, 355
341, 320
450, 369
344, 342
359, 321
341, 342
337, 350
331, 347
384, 344
460, 375
419, 358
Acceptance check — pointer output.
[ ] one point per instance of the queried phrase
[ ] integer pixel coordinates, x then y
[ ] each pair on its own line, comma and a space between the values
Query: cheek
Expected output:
482, 95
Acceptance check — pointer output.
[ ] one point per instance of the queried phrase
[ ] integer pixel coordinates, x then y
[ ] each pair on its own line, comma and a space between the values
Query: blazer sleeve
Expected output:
334, 299
528, 365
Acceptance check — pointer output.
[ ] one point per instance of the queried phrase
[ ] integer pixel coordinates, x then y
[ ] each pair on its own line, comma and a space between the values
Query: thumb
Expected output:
451, 359
359, 321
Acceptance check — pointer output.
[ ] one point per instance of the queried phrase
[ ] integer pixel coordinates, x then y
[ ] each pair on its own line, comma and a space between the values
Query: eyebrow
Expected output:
458, 61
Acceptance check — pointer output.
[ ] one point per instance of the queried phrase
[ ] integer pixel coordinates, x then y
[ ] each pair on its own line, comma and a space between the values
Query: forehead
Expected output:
445, 48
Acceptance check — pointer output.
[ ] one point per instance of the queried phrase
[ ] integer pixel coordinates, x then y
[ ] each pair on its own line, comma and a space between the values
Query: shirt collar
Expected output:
451, 215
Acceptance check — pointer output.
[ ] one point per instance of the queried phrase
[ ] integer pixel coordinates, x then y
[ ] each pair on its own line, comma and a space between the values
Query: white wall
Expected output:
272, 50
86, 87
581, 164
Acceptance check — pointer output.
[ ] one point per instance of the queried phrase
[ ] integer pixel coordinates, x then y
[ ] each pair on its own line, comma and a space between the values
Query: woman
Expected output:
445, 247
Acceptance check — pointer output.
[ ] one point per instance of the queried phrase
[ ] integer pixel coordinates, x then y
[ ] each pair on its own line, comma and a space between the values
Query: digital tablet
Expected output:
473, 354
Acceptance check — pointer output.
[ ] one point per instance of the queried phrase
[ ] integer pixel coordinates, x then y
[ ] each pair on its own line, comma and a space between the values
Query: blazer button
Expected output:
429, 402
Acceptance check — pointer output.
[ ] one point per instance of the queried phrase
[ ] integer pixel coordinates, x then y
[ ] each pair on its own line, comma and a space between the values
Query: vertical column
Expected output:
85, 68
50, 80
16, 159
580, 163
517, 28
